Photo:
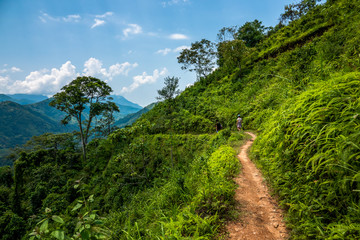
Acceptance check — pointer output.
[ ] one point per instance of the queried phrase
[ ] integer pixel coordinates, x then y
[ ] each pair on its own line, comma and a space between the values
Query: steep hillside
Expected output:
300, 89
129, 119
169, 176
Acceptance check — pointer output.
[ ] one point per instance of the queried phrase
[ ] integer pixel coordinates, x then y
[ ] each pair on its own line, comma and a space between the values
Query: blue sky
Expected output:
131, 44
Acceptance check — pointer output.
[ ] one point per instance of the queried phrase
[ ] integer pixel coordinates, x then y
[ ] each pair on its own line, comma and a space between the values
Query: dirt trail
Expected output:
260, 217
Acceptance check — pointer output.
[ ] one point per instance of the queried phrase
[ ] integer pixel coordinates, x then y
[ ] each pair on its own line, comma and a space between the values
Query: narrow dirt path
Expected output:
260, 217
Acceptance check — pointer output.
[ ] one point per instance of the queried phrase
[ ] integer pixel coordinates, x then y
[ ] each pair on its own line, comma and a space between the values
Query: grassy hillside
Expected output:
169, 176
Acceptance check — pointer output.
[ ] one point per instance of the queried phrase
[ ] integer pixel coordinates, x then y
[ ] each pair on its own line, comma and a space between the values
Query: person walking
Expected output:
239, 122
218, 126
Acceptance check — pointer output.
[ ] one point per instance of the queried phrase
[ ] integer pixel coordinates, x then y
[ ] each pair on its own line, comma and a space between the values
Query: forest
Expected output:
170, 175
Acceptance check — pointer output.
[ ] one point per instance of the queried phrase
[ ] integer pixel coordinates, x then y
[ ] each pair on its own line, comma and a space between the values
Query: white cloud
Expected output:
179, 49
178, 36
45, 81
98, 22
168, 50
12, 70
94, 67
44, 17
4, 82
164, 51
48, 82
105, 15
15, 69
71, 18
144, 79
132, 29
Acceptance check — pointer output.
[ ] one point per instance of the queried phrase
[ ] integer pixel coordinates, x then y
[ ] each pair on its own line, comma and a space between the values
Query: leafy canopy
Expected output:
199, 58
251, 32
170, 90
83, 92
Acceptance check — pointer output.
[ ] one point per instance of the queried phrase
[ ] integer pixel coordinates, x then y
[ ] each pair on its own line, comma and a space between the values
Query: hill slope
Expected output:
21, 122
170, 176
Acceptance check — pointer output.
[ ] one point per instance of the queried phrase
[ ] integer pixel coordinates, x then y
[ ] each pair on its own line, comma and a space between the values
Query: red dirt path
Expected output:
260, 217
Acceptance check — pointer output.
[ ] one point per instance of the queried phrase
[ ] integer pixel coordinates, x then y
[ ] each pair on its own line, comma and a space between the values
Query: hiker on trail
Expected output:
218, 126
239, 122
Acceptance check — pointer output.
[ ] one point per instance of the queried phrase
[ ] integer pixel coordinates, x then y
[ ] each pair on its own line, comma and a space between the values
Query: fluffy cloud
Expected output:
98, 22
45, 81
94, 67
178, 36
10, 70
72, 18
164, 51
168, 50
179, 49
132, 29
144, 79
105, 15
44, 17
4, 83
51, 81
15, 69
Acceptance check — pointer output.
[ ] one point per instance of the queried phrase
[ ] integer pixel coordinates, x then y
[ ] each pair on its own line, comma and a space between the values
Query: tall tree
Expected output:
199, 58
104, 125
297, 10
168, 93
232, 53
251, 32
170, 90
83, 92
227, 34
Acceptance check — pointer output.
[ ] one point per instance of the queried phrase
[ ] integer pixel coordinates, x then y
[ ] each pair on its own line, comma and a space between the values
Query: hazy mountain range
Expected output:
24, 115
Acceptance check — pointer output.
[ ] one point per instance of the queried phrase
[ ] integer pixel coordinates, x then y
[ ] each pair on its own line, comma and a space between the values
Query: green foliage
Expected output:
169, 175
310, 150
199, 58
6, 176
251, 33
295, 11
75, 97
170, 90
232, 54
87, 225
11, 226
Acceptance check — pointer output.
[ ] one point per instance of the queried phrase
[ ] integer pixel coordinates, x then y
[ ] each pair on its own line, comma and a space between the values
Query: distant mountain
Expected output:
43, 108
131, 118
26, 98
4, 98
19, 123
120, 100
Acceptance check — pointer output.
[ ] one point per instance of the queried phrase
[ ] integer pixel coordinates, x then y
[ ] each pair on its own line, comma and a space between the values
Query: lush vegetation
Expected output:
169, 176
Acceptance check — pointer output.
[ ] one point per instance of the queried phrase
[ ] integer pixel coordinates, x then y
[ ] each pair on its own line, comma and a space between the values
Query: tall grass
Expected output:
309, 149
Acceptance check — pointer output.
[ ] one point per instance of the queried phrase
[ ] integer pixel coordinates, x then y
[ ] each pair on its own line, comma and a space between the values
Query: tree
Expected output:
251, 32
83, 92
168, 93
232, 53
227, 34
199, 58
296, 11
170, 90
104, 125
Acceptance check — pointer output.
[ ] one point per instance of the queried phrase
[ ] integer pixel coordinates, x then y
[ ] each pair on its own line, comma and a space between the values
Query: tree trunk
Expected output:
83, 142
